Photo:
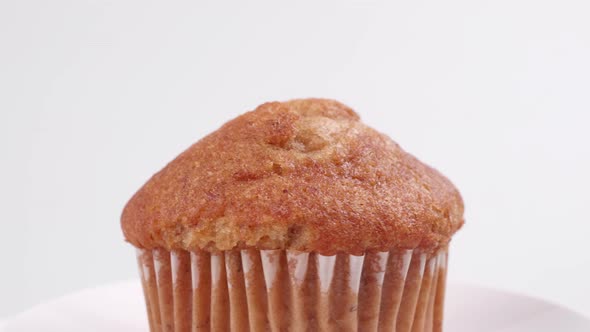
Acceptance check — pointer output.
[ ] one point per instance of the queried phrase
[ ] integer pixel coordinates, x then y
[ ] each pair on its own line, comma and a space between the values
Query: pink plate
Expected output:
120, 307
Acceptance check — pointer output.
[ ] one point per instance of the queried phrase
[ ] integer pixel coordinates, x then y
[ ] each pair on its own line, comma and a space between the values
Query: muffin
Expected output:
294, 217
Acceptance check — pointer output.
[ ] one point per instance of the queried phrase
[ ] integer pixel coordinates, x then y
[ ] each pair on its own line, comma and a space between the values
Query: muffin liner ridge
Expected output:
286, 290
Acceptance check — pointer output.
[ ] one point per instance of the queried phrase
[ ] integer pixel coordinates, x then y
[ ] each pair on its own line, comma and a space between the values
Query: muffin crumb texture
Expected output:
305, 175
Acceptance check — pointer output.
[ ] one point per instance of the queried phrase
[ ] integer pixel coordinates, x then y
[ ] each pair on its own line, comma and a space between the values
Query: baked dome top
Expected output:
304, 174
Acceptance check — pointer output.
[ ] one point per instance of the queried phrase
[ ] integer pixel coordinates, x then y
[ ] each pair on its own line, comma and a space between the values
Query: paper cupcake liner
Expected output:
284, 290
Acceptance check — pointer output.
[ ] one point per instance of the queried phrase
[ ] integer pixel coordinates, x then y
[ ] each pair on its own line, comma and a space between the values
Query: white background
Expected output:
95, 96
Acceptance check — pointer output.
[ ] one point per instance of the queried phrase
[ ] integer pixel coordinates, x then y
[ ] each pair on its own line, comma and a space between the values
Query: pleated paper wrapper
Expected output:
284, 290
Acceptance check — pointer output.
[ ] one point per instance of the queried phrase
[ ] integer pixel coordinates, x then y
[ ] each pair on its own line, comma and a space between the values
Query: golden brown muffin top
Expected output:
304, 174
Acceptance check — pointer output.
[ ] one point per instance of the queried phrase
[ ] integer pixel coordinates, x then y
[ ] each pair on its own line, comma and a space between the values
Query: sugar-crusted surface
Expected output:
303, 174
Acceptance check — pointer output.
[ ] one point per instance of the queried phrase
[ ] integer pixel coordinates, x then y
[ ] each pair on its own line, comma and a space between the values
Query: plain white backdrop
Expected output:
96, 96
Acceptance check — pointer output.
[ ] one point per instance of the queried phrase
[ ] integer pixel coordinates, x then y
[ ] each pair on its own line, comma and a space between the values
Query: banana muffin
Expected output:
294, 217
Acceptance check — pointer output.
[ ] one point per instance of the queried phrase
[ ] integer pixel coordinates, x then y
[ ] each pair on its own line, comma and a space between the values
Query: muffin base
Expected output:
284, 290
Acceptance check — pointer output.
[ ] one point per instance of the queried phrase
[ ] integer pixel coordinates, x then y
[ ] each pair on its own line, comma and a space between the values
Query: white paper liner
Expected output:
283, 290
